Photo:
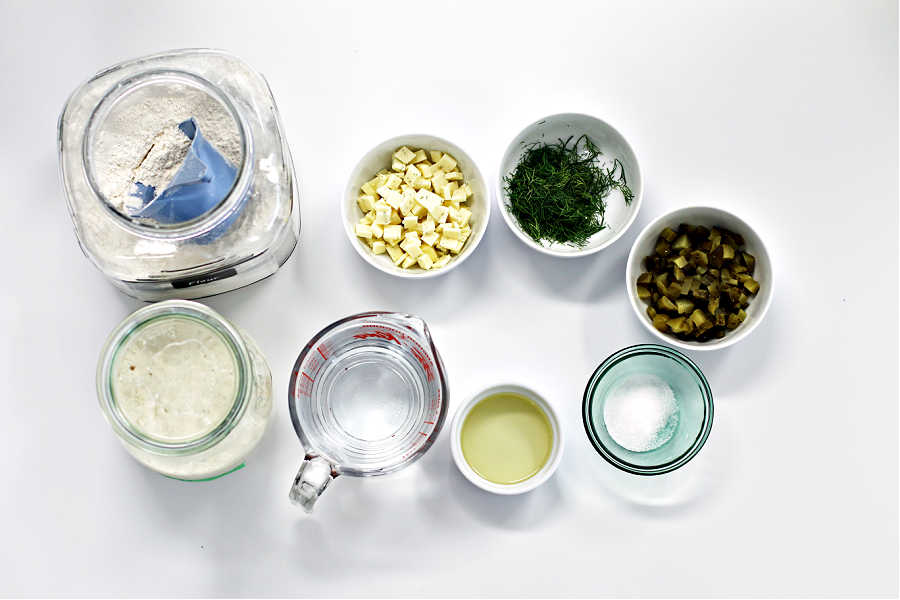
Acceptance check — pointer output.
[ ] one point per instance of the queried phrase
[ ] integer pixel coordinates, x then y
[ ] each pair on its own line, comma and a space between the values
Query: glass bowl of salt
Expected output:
648, 409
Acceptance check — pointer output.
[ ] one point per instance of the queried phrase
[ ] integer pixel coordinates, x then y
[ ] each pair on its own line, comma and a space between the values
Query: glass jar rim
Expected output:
210, 219
174, 308
630, 352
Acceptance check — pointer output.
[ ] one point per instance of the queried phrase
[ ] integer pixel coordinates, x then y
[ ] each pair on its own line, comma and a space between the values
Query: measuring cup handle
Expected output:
313, 477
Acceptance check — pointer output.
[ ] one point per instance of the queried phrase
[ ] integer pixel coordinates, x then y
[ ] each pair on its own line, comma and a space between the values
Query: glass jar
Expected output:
249, 228
211, 401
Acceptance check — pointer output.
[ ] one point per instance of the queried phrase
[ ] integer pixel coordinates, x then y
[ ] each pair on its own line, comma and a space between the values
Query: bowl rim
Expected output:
625, 354
536, 480
730, 339
370, 258
500, 194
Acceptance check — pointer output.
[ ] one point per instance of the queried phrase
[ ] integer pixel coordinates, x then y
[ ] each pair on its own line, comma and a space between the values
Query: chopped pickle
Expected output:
697, 282
660, 321
666, 305
681, 242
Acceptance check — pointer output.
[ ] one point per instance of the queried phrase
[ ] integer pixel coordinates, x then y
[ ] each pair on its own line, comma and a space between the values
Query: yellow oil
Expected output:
506, 438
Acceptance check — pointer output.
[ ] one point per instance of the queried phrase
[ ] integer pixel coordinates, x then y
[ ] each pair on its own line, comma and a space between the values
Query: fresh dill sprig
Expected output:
557, 192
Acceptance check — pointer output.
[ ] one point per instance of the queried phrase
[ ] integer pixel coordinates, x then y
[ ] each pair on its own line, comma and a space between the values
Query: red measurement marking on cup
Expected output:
384, 335
423, 360
429, 422
322, 352
423, 433
307, 376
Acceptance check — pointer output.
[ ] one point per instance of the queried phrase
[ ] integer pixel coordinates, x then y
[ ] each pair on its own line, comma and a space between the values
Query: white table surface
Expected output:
783, 112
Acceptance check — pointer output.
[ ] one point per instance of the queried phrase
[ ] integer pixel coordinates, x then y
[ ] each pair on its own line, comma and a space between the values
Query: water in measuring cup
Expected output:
373, 391
368, 398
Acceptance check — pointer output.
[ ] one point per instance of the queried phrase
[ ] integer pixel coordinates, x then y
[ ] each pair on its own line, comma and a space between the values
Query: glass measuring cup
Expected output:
368, 396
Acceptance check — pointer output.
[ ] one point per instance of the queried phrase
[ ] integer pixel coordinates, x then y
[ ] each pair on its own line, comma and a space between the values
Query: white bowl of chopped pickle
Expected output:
536, 205
699, 278
415, 206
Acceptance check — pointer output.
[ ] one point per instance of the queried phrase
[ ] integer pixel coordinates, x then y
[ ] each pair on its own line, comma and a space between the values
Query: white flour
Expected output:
140, 141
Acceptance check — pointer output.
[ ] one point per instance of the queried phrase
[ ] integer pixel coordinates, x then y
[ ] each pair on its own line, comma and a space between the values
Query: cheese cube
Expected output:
382, 214
411, 222
451, 232
418, 210
393, 181
426, 169
394, 198
379, 247
409, 200
396, 165
429, 251
412, 237
413, 251
425, 261
467, 189
408, 261
430, 238
454, 176
446, 163
447, 190
463, 216
392, 234
368, 189
435, 155
429, 200
446, 243
441, 213
458, 195
422, 184
404, 155
363, 231
383, 191
377, 230
379, 180
427, 225
438, 180
395, 253
420, 156
366, 202
412, 174
440, 262
395, 218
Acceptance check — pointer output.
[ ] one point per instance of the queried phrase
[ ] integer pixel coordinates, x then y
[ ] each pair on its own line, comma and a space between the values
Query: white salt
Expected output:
641, 412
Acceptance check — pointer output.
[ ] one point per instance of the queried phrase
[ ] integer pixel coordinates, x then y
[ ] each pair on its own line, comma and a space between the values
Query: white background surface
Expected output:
785, 113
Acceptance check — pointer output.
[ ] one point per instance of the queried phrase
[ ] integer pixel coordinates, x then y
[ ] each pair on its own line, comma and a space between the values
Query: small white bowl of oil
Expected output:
507, 439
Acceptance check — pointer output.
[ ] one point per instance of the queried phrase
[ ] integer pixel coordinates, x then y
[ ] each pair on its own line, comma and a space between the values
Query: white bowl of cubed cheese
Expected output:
415, 206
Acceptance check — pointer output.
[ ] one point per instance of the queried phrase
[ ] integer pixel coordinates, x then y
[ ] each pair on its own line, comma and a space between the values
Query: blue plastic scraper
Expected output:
203, 180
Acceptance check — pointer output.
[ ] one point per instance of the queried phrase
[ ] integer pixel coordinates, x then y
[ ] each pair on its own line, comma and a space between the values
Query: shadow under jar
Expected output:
188, 394
113, 131
648, 409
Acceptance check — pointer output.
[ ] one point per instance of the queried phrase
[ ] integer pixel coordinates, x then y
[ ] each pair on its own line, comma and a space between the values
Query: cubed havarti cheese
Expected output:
430, 238
395, 253
404, 155
425, 261
420, 156
363, 231
393, 234
408, 261
379, 247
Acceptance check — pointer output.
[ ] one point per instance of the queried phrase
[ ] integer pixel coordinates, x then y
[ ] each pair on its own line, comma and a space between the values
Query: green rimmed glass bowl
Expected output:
684, 414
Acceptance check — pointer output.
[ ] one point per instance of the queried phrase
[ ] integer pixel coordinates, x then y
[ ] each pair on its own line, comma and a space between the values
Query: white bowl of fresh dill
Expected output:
569, 185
